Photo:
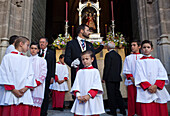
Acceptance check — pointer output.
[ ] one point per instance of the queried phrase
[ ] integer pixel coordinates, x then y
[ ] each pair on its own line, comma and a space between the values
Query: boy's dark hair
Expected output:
81, 27
12, 39
137, 41
147, 41
35, 43
88, 52
21, 39
61, 56
44, 38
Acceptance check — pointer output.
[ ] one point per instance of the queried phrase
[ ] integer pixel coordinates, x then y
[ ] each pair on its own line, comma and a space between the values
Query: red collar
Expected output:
136, 53
145, 57
60, 63
17, 53
91, 67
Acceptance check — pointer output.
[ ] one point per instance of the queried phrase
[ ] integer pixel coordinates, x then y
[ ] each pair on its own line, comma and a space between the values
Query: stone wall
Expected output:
15, 18
39, 16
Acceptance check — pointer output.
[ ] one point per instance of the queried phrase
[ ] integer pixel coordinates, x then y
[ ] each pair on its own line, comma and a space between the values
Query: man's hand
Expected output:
80, 99
75, 63
132, 79
152, 89
23, 90
17, 93
86, 98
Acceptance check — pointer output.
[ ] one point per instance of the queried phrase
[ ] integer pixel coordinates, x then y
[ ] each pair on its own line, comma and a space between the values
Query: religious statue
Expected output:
90, 20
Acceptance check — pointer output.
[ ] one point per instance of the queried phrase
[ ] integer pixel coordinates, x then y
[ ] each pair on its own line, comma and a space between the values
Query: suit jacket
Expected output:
73, 51
51, 62
112, 67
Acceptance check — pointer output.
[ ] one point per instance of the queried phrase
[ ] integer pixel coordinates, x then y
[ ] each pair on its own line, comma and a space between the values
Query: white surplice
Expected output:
61, 72
151, 70
40, 70
10, 49
129, 66
16, 70
87, 79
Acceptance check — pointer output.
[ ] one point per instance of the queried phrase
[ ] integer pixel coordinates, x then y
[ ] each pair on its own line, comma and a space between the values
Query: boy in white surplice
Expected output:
88, 89
59, 86
150, 79
40, 70
16, 80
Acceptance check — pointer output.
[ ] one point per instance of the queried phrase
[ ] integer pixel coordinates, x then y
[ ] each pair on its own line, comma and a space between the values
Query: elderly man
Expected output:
112, 78
49, 56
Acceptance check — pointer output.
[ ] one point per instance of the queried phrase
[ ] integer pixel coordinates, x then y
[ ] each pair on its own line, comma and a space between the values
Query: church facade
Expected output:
150, 20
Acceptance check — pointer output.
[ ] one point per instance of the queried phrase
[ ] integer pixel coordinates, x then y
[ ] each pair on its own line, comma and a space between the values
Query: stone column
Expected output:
3, 46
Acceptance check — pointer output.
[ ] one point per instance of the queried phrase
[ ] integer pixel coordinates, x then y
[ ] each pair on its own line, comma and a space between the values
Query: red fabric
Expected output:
133, 106
56, 78
87, 115
58, 99
93, 92
145, 85
9, 87
16, 110
65, 78
150, 57
0, 110
75, 92
91, 67
16, 53
38, 82
128, 76
160, 84
154, 109
35, 111
136, 53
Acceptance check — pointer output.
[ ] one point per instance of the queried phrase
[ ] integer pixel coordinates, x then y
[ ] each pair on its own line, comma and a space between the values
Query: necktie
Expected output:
42, 55
83, 44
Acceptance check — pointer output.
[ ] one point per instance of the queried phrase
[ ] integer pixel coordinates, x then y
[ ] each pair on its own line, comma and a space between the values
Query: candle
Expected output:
72, 31
112, 11
106, 29
66, 11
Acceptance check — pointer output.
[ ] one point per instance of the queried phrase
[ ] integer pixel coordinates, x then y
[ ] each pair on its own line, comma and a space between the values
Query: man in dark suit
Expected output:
112, 78
50, 57
74, 49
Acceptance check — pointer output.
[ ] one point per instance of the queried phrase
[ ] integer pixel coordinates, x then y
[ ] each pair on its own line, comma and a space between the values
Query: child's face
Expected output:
134, 47
25, 46
147, 49
87, 60
62, 60
34, 50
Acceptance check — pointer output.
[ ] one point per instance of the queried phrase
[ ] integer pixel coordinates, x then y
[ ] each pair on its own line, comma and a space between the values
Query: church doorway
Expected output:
124, 13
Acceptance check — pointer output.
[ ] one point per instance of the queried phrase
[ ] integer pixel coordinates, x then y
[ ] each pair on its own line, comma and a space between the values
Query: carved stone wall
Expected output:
15, 18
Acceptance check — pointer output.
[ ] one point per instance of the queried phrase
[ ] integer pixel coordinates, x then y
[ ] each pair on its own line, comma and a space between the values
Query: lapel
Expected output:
88, 46
76, 45
47, 54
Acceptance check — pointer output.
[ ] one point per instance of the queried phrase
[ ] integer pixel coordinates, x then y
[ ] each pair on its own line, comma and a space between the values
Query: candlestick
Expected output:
106, 29
112, 10
72, 31
66, 11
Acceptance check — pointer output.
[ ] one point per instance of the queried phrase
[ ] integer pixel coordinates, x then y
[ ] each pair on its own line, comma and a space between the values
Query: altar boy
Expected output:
150, 79
128, 71
16, 79
88, 89
40, 70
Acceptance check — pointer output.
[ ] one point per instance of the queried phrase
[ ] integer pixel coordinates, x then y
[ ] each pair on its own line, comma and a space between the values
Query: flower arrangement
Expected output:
95, 44
118, 39
60, 42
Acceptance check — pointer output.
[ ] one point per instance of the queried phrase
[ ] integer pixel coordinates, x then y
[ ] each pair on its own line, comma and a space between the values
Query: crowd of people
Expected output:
25, 82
